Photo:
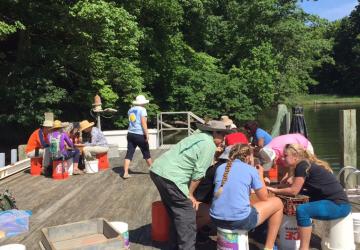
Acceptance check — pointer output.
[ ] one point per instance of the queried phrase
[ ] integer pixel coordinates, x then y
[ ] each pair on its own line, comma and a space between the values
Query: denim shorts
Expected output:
247, 224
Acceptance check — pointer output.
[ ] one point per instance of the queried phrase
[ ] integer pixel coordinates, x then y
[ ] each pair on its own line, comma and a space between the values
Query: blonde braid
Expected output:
238, 151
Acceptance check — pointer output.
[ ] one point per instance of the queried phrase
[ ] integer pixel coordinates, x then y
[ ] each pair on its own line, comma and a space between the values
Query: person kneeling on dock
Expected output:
97, 143
61, 147
231, 209
178, 172
38, 142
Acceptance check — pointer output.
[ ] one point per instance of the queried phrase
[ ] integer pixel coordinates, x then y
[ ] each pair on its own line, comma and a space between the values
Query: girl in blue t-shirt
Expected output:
231, 208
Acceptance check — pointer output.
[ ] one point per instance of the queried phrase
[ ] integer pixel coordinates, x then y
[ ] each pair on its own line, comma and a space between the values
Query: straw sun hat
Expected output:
140, 100
228, 122
57, 124
85, 124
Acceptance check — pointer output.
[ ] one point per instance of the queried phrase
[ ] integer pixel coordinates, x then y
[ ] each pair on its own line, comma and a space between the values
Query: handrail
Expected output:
161, 124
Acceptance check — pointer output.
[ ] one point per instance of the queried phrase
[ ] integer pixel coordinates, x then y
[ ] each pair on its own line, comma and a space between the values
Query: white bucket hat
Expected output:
267, 157
140, 100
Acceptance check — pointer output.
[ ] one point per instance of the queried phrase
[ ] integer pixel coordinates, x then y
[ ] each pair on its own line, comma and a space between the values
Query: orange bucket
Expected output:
36, 166
60, 170
273, 174
103, 161
160, 222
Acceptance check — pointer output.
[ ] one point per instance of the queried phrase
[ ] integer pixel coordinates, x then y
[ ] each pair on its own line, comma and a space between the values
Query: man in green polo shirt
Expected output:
178, 172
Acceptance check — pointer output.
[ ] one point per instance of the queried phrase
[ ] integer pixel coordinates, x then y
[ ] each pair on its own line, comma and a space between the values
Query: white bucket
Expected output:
356, 224
289, 237
340, 235
70, 166
13, 247
123, 229
92, 166
232, 239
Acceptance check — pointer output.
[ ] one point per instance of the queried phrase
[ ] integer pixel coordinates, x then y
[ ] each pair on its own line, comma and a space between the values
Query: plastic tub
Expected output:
13, 247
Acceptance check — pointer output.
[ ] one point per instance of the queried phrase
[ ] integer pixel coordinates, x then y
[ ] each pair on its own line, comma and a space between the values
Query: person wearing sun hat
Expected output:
138, 135
178, 172
38, 140
63, 146
97, 143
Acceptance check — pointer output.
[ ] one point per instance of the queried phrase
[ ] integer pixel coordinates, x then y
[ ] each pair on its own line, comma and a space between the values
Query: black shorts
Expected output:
135, 140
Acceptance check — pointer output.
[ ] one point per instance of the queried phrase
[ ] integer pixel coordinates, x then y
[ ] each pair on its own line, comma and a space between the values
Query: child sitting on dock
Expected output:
61, 147
231, 207
314, 178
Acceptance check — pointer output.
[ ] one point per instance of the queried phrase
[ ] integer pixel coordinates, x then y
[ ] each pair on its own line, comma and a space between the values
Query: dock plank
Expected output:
102, 195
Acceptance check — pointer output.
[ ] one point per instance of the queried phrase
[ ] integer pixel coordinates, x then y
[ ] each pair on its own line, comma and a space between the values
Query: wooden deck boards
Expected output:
102, 195
105, 194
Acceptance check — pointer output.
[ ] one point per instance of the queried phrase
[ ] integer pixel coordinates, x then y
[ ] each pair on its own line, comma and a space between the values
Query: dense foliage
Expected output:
212, 57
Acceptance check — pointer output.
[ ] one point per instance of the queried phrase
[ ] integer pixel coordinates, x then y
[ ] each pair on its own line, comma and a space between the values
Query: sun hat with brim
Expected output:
225, 119
140, 100
48, 124
225, 154
85, 124
267, 156
213, 125
57, 124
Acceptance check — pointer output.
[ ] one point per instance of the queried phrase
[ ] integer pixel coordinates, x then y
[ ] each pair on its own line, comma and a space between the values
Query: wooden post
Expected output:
288, 121
348, 144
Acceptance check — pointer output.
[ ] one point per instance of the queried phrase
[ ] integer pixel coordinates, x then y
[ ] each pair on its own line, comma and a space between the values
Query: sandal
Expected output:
78, 172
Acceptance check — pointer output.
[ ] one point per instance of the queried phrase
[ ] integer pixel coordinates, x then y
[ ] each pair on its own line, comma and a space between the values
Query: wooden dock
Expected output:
102, 195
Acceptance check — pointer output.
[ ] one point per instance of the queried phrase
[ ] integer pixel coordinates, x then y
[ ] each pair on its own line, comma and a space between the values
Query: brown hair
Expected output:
303, 154
238, 151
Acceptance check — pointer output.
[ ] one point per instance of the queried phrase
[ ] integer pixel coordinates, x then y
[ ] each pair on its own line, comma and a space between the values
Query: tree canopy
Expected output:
212, 57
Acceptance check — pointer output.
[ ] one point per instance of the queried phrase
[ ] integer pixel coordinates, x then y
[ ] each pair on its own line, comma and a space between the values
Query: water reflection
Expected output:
323, 128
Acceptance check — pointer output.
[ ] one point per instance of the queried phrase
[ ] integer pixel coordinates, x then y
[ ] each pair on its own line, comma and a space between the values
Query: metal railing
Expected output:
163, 126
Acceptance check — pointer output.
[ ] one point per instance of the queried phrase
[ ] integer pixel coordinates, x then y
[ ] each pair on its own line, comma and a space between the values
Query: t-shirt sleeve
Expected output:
143, 112
204, 159
259, 134
256, 182
300, 170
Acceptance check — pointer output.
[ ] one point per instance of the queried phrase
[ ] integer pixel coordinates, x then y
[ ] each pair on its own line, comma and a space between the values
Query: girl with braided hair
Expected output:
313, 177
231, 207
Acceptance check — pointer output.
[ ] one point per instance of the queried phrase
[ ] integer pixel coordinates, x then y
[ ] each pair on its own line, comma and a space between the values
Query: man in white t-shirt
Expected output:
138, 135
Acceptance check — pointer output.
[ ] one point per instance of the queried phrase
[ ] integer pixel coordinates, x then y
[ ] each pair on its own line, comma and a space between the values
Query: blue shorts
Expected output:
247, 224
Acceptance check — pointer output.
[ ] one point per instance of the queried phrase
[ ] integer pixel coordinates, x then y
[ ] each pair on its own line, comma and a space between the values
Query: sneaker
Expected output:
127, 176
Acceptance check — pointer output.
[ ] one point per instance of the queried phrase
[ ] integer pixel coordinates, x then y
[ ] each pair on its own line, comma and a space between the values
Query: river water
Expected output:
323, 128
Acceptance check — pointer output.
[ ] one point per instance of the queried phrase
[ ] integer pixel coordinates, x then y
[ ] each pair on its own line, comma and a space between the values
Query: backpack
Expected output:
54, 149
7, 201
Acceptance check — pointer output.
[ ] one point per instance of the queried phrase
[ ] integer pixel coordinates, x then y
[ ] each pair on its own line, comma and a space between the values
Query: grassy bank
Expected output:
324, 99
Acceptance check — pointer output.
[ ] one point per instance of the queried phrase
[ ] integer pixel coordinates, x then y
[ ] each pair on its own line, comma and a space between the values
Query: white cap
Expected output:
267, 157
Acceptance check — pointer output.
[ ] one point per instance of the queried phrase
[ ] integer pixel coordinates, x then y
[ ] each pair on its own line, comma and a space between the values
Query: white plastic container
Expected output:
340, 236
70, 166
92, 166
289, 238
356, 223
232, 239
123, 229
13, 247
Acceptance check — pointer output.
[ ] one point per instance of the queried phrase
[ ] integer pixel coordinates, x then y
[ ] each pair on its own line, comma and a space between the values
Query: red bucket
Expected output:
273, 174
36, 166
160, 222
60, 170
103, 161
